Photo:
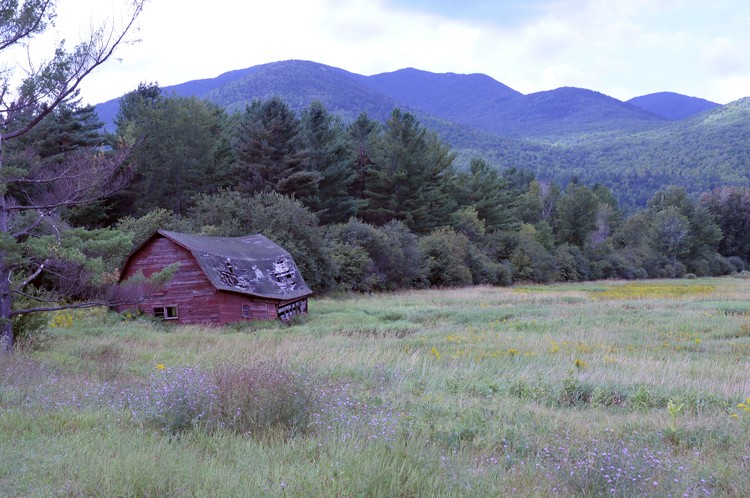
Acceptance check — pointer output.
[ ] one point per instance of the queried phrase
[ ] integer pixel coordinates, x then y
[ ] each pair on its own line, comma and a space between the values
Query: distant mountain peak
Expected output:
671, 105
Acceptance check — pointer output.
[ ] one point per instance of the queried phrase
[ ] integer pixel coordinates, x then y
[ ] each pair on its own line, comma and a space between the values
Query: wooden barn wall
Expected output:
195, 297
231, 308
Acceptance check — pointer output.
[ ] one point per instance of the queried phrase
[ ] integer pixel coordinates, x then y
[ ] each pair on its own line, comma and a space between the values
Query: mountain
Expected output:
673, 106
561, 113
635, 147
473, 100
699, 153
450, 96
297, 82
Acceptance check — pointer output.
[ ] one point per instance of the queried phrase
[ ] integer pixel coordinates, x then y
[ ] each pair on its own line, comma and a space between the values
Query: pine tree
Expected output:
181, 150
410, 178
483, 188
327, 151
269, 152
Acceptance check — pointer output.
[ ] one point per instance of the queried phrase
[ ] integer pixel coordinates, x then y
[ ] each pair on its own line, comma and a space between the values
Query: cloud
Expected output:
620, 47
723, 58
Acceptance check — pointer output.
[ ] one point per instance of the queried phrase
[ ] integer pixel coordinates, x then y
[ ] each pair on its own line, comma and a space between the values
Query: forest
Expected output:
372, 206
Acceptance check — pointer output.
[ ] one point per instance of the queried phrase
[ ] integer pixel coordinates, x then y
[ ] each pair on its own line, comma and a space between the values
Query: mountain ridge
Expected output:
474, 100
671, 105
559, 134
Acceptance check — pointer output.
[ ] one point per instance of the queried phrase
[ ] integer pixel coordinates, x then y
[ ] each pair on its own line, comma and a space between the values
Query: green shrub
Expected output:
254, 400
445, 254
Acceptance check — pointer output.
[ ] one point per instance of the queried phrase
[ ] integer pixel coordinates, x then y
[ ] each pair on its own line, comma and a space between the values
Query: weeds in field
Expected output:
619, 468
674, 409
476, 401
646, 290
174, 400
254, 400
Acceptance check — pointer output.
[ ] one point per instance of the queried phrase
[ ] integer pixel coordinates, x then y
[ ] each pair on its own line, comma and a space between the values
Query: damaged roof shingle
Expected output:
249, 265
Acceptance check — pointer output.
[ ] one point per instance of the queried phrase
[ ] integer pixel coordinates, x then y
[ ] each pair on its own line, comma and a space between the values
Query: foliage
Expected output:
445, 254
410, 176
730, 208
282, 219
267, 149
159, 219
531, 260
325, 150
54, 162
483, 188
181, 150
374, 258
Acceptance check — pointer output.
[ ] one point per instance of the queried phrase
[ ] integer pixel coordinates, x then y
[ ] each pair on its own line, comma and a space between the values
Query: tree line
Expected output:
371, 205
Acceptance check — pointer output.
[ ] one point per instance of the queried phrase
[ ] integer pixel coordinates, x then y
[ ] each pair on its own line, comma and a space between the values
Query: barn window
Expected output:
166, 312
245, 311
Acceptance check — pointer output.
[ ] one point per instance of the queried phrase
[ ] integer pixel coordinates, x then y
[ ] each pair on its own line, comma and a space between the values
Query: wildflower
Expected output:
160, 366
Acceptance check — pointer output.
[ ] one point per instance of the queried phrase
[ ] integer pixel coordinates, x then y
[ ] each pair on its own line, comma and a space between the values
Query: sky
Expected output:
622, 48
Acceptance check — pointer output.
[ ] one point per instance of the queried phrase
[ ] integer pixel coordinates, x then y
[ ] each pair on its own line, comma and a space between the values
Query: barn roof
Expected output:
249, 265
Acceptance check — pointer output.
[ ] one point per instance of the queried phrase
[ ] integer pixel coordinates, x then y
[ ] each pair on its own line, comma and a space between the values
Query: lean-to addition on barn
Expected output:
219, 280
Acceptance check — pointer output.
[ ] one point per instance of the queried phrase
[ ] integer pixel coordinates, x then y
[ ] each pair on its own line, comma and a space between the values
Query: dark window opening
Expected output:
166, 312
287, 311
245, 311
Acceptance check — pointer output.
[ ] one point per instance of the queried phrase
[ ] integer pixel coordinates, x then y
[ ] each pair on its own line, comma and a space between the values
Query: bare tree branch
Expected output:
64, 74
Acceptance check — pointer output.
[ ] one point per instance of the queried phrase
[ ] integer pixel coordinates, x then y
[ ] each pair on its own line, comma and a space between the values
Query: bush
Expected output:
572, 263
248, 400
254, 400
281, 218
445, 254
531, 260
369, 258
737, 262
175, 399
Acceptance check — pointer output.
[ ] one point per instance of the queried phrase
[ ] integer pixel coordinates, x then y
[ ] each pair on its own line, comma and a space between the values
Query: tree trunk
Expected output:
6, 309
6, 299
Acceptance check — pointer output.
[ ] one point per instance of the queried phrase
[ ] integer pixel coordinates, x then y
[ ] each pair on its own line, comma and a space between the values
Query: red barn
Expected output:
219, 280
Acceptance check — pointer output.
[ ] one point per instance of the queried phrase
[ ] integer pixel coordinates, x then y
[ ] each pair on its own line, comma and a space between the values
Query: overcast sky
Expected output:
623, 48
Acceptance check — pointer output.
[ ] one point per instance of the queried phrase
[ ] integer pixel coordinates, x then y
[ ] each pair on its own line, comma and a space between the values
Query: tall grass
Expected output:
560, 390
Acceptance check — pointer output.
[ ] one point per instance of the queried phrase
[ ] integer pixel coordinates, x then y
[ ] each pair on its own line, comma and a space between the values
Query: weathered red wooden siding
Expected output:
260, 309
195, 297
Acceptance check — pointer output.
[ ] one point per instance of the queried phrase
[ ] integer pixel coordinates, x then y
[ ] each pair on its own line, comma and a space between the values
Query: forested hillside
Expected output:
372, 205
638, 147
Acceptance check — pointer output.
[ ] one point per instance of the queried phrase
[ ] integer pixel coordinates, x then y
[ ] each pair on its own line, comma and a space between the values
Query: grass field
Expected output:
595, 389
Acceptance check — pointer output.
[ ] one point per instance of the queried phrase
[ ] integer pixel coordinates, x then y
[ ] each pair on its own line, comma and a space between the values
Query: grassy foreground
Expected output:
596, 389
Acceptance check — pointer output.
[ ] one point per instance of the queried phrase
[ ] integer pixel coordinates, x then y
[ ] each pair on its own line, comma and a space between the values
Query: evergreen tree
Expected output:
489, 193
363, 136
181, 151
35, 243
325, 150
269, 153
410, 178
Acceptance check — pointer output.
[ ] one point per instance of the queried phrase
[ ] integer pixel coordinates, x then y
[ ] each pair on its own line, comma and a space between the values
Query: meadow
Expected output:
593, 389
